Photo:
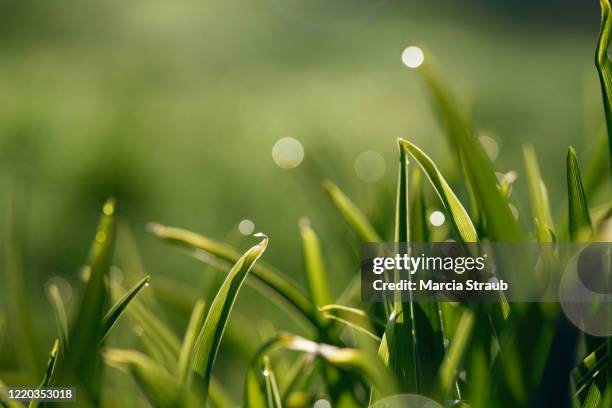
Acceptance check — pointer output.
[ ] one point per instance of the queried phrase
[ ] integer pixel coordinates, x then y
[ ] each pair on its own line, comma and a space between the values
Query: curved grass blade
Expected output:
500, 222
61, 320
604, 66
315, 270
354, 318
5, 401
269, 276
537, 196
367, 366
580, 226
82, 356
351, 213
49, 372
193, 328
458, 215
209, 338
115, 312
159, 386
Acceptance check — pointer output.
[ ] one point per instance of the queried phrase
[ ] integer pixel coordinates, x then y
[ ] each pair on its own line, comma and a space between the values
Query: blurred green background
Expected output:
174, 107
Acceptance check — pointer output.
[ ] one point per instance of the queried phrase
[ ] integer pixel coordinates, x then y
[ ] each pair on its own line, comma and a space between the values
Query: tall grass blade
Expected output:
49, 372
118, 308
580, 226
159, 386
272, 391
457, 349
5, 401
269, 276
419, 231
82, 356
538, 197
604, 66
218, 396
316, 275
351, 213
193, 328
16, 290
458, 215
501, 225
59, 310
209, 338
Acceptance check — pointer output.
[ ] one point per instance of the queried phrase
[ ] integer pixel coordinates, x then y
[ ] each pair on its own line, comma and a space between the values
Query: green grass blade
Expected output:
49, 372
159, 386
593, 398
193, 328
419, 231
580, 226
82, 356
604, 66
118, 308
272, 391
59, 310
351, 213
218, 396
501, 225
269, 276
316, 275
5, 401
537, 196
352, 317
457, 350
19, 310
458, 215
209, 338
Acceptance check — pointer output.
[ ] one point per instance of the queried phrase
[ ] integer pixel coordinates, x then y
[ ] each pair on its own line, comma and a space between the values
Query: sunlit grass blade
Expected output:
49, 372
59, 310
5, 401
580, 226
352, 317
351, 213
368, 366
316, 275
537, 196
604, 66
193, 328
272, 391
593, 398
269, 276
458, 215
454, 356
116, 311
501, 225
209, 338
82, 356
160, 387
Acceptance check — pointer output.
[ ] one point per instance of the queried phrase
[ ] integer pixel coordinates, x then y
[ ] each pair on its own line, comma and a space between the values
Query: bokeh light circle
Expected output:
370, 166
287, 153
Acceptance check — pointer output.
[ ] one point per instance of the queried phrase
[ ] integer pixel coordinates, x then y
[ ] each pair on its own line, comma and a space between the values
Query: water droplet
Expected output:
287, 153
246, 227
370, 166
413, 57
100, 236
147, 284
265, 373
437, 218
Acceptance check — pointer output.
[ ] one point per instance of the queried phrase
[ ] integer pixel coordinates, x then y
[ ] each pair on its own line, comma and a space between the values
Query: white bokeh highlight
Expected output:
413, 57
437, 218
370, 166
287, 153
246, 227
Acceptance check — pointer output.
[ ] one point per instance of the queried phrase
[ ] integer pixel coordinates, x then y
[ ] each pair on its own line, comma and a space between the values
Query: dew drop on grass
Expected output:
370, 166
287, 153
246, 227
265, 373
413, 57
437, 218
